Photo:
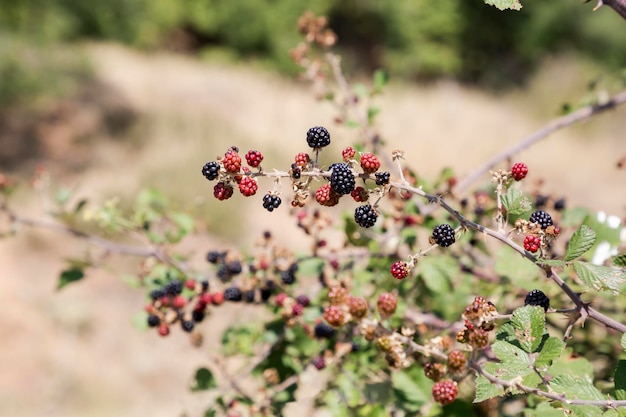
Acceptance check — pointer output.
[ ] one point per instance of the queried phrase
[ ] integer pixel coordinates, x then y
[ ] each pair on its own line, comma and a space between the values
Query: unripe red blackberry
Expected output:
532, 243
348, 154
342, 179
519, 171
211, 170
456, 361
443, 235
179, 301
232, 161
369, 163
164, 329
326, 196
233, 294
323, 331
537, 298
222, 191
400, 270
382, 178
365, 216
317, 137
280, 299
303, 300
302, 159
254, 158
335, 316
358, 308
479, 338
217, 298
190, 284
248, 186
359, 194
444, 392
297, 310
337, 295
434, 371
542, 218
319, 363
387, 304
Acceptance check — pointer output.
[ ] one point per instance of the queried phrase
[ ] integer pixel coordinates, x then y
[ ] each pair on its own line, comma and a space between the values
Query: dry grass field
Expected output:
74, 353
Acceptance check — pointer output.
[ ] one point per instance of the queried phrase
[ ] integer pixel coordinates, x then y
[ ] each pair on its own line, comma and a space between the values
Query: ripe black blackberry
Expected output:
317, 137
342, 179
382, 178
271, 202
187, 325
215, 256
153, 320
233, 294
173, 287
542, 218
266, 293
559, 204
365, 216
204, 285
323, 330
210, 170
537, 298
156, 294
234, 267
288, 277
197, 315
443, 235
249, 296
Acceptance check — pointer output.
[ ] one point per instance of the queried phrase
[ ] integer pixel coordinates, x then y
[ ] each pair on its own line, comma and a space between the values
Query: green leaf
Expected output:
438, 271
408, 391
210, 413
372, 111
516, 268
529, 324
69, 276
569, 364
544, 409
505, 4
620, 380
601, 278
620, 260
550, 350
203, 380
515, 362
486, 390
582, 240
515, 202
576, 387
380, 79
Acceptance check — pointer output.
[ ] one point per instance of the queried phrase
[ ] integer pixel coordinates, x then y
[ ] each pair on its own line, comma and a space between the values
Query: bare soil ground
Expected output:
75, 352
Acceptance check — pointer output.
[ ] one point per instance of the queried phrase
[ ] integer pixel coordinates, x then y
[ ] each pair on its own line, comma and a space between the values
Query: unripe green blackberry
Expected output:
233, 294
210, 170
318, 137
456, 361
365, 216
342, 179
444, 392
537, 298
542, 218
443, 235
153, 320
387, 304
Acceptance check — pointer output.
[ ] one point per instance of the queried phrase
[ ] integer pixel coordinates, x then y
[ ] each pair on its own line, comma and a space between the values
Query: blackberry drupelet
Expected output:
318, 137
233, 294
342, 179
443, 235
153, 320
537, 298
210, 170
323, 330
365, 216
382, 178
271, 202
542, 218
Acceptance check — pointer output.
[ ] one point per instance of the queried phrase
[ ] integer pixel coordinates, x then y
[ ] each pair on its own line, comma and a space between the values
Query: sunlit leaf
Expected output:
529, 323
581, 241
601, 278
505, 4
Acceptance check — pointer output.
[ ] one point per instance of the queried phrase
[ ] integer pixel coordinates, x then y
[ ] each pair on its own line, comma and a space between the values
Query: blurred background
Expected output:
111, 97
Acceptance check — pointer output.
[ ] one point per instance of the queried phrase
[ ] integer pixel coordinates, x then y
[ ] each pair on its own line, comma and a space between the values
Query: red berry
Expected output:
217, 298
164, 330
232, 161
302, 159
319, 363
205, 298
190, 284
444, 392
326, 196
179, 301
358, 307
335, 316
254, 158
337, 295
519, 171
280, 299
222, 191
456, 360
479, 338
248, 186
165, 301
400, 270
370, 163
348, 153
297, 310
532, 243
387, 304
359, 194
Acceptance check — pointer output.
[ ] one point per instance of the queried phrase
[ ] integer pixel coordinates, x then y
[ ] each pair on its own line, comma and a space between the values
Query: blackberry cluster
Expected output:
271, 202
210, 170
443, 235
542, 218
233, 294
382, 178
342, 179
365, 216
318, 137
537, 298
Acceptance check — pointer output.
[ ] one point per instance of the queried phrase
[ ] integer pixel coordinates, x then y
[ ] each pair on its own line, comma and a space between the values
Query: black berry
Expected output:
271, 202
365, 216
323, 330
197, 315
210, 170
318, 137
288, 277
234, 267
187, 325
248, 296
382, 178
156, 294
153, 320
342, 179
542, 218
173, 287
537, 298
443, 235
233, 294
214, 256
559, 204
